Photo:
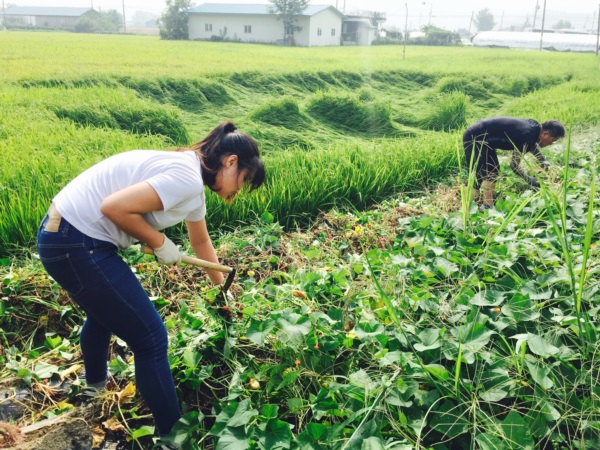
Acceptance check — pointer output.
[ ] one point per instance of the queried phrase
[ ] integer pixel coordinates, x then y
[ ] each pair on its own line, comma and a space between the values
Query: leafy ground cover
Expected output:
420, 324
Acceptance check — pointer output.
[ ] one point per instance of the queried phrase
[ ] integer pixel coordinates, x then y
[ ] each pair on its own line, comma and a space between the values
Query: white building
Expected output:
45, 16
321, 24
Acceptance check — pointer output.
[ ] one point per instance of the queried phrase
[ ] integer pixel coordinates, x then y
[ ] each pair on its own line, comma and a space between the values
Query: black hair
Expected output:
225, 140
554, 127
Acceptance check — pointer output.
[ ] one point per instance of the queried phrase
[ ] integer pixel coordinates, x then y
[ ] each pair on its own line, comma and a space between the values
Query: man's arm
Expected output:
543, 162
515, 164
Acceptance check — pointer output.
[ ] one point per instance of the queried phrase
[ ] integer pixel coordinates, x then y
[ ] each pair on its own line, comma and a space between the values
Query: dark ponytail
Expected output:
226, 140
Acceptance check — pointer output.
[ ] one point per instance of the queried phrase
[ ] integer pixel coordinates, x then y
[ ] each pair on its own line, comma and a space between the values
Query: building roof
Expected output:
255, 9
45, 11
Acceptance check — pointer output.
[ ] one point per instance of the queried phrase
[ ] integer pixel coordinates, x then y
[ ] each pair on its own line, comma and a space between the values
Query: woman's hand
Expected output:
168, 253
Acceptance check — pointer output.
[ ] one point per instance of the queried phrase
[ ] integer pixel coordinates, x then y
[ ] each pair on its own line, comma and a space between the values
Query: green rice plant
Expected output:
476, 89
283, 112
449, 113
354, 115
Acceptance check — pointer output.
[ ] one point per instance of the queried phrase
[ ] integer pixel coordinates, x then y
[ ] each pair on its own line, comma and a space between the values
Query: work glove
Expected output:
545, 165
168, 253
533, 182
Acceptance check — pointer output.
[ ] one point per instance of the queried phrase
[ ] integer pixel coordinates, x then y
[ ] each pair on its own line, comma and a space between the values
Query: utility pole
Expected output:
3, 14
405, 31
501, 21
124, 25
430, 12
543, 20
598, 32
471, 22
537, 6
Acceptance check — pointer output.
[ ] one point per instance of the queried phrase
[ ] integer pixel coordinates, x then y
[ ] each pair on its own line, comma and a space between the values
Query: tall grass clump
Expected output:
302, 184
339, 109
191, 95
284, 113
449, 113
476, 89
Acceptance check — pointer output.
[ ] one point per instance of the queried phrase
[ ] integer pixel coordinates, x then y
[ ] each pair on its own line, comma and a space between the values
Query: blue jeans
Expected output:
105, 287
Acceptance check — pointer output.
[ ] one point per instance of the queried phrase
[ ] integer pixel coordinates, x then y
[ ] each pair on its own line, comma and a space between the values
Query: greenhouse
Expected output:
561, 42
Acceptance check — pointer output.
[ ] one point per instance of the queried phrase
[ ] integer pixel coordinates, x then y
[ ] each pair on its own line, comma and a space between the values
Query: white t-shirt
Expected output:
175, 176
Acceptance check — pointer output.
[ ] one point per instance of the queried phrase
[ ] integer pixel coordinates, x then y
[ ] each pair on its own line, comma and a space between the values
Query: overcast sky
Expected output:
450, 14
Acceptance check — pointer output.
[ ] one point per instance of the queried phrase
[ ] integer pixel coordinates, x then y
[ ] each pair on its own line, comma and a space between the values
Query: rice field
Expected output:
354, 125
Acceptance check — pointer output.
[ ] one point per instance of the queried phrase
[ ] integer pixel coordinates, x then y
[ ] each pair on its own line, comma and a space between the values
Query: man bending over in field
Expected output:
522, 136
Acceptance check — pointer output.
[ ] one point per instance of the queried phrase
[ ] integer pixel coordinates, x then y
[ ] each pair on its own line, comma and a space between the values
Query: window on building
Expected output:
208, 27
248, 29
333, 31
318, 32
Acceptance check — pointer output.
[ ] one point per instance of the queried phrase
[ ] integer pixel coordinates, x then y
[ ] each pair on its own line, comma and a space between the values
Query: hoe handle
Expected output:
194, 261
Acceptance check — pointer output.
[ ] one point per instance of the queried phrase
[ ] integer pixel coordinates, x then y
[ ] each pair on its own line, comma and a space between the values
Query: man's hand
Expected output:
168, 253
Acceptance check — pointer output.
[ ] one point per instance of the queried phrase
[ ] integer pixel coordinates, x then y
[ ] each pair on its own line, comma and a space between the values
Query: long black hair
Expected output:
223, 141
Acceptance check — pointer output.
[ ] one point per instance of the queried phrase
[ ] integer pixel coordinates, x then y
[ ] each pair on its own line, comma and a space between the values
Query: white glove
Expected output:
168, 253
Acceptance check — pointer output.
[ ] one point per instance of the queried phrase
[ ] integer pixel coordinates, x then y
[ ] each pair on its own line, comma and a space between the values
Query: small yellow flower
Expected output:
250, 273
254, 383
358, 230
297, 363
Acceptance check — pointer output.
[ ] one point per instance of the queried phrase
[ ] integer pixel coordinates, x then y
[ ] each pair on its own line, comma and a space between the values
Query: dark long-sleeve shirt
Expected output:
509, 133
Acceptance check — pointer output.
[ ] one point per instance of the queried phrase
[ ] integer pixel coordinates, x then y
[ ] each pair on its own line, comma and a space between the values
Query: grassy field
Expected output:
397, 316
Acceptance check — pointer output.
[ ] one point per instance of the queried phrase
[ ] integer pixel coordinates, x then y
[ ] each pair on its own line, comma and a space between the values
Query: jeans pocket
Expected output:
62, 270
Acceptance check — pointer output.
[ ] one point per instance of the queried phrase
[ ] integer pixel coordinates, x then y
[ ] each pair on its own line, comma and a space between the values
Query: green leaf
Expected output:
430, 339
494, 395
233, 439
473, 335
361, 379
45, 370
277, 435
258, 330
267, 217
233, 415
191, 358
438, 371
269, 411
521, 308
488, 441
487, 298
145, 430
445, 267
540, 373
450, 420
294, 327
316, 430
540, 346
372, 443
516, 432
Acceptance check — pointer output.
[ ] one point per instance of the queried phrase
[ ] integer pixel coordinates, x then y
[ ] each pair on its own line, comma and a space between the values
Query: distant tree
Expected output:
140, 19
437, 36
288, 11
562, 24
464, 33
484, 21
173, 23
109, 21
